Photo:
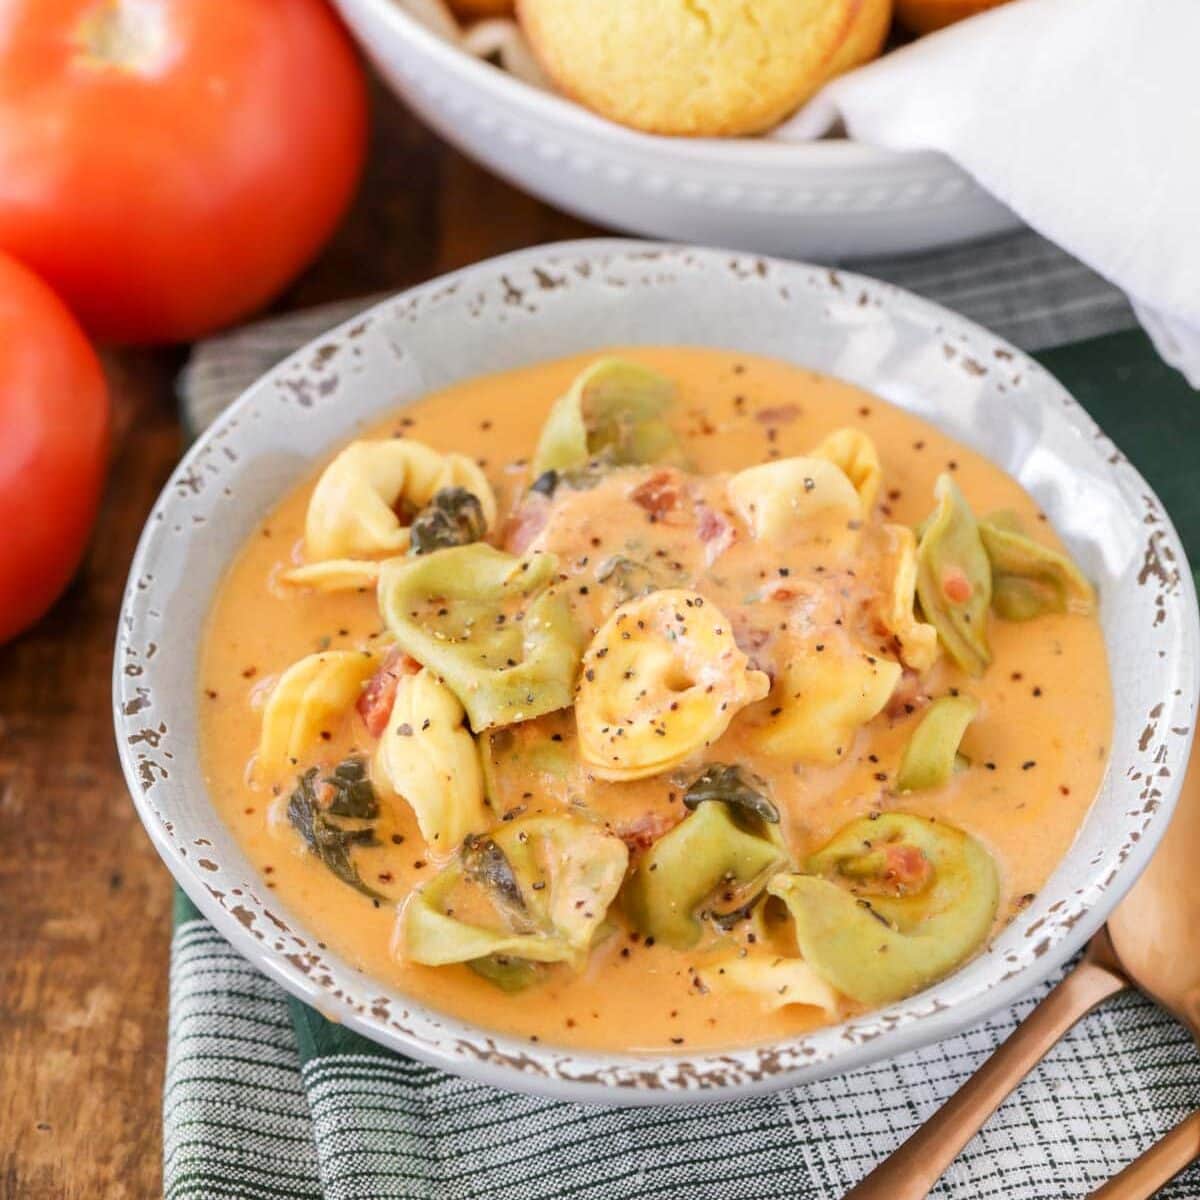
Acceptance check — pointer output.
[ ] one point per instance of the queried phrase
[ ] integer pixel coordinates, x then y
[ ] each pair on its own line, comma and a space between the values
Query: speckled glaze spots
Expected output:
566, 299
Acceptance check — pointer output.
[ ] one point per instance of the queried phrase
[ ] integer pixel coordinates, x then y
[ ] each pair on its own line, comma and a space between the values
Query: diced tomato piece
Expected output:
642, 832
659, 495
780, 414
956, 587
906, 867
375, 703
523, 527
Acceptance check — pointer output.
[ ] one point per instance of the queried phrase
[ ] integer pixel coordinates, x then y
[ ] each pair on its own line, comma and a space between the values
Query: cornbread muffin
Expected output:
924, 16
868, 31
695, 67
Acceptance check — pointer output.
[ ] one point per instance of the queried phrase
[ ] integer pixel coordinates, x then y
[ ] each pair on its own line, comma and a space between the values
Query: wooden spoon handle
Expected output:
914, 1167
1166, 1158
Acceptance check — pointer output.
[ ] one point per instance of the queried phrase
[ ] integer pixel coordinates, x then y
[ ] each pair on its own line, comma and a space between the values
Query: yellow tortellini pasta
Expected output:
310, 697
954, 578
917, 640
891, 904
661, 680
337, 574
852, 451
827, 690
353, 512
431, 761
716, 847
778, 981
793, 498
1029, 579
537, 890
493, 626
614, 411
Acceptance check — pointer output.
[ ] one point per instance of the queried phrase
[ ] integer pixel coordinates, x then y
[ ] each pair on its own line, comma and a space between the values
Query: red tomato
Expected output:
54, 449
169, 165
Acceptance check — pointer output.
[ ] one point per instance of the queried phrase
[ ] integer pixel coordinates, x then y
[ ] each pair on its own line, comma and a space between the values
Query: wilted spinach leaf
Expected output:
507, 973
487, 865
732, 785
454, 517
329, 842
353, 795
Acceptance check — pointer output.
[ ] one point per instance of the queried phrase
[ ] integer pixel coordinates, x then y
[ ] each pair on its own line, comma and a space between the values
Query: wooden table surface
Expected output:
84, 901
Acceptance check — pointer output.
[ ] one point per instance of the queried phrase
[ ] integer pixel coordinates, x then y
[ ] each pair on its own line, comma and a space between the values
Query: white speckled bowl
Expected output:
833, 199
561, 300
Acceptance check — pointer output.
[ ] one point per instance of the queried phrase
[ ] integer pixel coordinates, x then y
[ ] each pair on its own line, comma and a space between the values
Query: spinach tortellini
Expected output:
932, 756
1029, 579
719, 858
827, 690
614, 412
954, 578
492, 626
890, 905
431, 761
311, 696
807, 497
661, 680
536, 890
357, 506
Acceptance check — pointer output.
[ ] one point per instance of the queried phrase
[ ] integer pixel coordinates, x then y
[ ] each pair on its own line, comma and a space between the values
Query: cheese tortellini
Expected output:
917, 641
431, 761
661, 680
778, 982
536, 890
614, 412
828, 689
494, 627
855, 454
311, 696
356, 507
932, 756
798, 498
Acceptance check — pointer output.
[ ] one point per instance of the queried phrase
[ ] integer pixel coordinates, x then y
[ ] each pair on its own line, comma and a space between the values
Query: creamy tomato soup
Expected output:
655, 699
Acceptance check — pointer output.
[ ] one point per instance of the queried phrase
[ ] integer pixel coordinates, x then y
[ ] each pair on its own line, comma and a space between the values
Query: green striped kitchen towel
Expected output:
263, 1098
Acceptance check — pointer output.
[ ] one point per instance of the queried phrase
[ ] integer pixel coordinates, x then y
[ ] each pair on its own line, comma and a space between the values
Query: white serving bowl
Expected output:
567, 299
829, 199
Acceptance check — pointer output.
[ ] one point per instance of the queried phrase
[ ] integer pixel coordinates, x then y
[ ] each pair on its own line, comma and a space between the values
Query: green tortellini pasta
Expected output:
492, 626
536, 890
931, 756
891, 904
954, 578
1029, 579
714, 849
431, 761
614, 411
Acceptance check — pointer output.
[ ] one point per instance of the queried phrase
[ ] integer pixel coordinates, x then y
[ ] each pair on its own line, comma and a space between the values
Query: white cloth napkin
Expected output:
1083, 116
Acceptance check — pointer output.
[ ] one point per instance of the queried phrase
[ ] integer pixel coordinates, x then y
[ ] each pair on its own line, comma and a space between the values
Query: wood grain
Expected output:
84, 901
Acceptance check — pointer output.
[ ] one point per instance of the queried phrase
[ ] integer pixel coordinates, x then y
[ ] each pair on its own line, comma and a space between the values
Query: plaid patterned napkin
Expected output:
265, 1099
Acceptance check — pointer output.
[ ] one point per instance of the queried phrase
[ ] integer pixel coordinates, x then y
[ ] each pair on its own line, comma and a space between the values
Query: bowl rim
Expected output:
759, 152
609, 1078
